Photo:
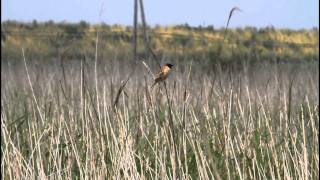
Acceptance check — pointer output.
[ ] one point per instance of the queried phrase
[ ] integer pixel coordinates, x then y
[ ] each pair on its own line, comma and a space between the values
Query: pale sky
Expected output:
294, 14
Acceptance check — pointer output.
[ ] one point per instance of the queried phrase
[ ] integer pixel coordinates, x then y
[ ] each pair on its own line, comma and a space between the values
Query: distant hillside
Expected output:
45, 41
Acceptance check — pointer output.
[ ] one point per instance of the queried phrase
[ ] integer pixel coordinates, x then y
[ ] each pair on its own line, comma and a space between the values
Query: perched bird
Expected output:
163, 74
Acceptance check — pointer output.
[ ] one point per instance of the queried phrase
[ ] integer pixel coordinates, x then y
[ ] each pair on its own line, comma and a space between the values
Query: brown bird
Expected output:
163, 74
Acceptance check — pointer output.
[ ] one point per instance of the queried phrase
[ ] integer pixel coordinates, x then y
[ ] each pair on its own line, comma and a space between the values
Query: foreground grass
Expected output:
250, 122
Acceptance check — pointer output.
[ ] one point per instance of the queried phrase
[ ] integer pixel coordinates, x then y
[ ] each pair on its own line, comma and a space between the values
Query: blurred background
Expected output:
268, 30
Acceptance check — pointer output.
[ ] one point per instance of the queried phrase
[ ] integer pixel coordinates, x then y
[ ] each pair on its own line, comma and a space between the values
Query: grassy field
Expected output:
244, 121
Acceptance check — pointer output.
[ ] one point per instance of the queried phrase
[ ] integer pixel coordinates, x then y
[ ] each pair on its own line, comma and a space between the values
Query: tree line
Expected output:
49, 40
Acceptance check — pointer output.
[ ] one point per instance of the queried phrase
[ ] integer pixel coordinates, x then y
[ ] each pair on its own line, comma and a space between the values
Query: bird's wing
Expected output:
160, 73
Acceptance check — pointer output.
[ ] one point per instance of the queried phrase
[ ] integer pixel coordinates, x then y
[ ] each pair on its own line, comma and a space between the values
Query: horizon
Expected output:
160, 25
283, 14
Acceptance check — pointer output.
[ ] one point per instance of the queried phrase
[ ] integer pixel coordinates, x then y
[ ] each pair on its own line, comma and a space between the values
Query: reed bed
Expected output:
245, 121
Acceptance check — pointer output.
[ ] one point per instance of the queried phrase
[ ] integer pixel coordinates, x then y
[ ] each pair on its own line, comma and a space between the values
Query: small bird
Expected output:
163, 74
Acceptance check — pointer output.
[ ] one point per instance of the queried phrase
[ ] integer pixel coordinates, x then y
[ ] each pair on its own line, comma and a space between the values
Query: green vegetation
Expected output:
50, 40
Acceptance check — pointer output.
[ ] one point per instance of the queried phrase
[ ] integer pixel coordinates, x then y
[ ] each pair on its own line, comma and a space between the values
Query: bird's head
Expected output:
169, 65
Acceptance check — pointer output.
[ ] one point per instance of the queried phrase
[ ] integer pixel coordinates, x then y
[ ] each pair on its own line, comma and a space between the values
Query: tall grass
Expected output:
242, 122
